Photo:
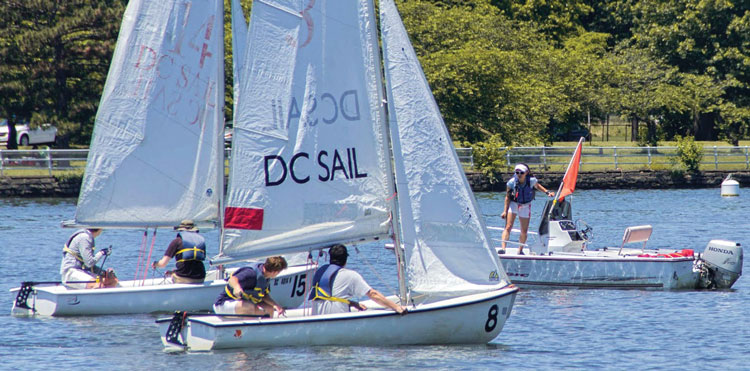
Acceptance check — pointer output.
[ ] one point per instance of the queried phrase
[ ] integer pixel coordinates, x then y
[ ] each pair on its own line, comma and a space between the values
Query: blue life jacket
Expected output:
322, 284
193, 247
522, 194
259, 290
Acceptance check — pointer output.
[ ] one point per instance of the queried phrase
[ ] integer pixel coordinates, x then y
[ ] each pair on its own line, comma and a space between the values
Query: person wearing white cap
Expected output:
520, 193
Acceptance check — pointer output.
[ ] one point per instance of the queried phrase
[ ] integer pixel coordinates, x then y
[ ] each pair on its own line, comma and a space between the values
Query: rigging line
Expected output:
376, 272
145, 271
140, 253
308, 282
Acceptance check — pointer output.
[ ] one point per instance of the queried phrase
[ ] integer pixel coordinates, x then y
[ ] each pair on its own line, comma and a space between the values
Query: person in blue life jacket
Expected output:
248, 290
334, 287
520, 192
189, 251
78, 267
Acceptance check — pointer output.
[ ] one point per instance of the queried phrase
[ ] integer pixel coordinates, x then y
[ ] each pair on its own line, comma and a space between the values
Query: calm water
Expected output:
548, 329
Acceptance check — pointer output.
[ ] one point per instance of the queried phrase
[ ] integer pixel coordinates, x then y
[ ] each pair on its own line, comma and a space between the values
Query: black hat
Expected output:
338, 254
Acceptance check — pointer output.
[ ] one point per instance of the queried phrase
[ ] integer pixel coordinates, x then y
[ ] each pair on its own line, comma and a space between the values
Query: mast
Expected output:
391, 177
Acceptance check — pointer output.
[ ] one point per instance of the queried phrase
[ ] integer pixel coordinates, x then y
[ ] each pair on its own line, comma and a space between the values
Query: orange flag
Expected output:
571, 175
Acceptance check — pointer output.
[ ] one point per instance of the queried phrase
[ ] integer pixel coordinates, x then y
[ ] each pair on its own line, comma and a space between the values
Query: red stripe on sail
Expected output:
243, 218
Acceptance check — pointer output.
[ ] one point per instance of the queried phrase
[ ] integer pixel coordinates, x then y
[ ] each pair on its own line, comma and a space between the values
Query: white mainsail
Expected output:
156, 155
447, 248
308, 162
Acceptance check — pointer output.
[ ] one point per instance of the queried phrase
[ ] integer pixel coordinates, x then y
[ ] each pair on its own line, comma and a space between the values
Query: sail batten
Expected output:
156, 153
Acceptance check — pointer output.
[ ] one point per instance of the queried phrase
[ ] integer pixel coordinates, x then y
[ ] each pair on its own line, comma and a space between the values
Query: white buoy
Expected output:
730, 187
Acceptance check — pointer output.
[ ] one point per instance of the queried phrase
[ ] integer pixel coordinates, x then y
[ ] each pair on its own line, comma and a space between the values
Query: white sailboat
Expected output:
156, 157
560, 255
323, 165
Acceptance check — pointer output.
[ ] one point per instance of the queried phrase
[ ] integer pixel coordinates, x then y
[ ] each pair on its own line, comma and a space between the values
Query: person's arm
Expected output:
85, 248
162, 262
234, 284
172, 249
545, 190
507, 204
269, 300
382, 300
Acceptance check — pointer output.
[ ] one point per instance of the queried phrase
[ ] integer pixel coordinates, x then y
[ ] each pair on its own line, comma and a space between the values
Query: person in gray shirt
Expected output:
79, 259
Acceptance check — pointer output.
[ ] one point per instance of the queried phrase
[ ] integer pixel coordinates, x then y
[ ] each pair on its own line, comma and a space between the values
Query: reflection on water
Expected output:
548, 329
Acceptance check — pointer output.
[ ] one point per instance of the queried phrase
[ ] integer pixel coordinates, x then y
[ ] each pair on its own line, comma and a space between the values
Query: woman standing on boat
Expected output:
520, 192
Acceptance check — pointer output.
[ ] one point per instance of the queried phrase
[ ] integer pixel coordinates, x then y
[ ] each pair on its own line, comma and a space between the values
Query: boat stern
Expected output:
722, 264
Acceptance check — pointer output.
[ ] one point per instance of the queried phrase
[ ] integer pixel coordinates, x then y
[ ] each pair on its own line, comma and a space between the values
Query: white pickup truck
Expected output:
26, 136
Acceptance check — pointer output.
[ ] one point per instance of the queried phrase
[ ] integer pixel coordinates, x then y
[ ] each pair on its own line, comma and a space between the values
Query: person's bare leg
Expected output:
248, 308
510, 218
524, 232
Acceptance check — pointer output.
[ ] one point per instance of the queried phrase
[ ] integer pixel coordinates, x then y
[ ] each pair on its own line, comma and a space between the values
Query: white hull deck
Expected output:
601, 269
471, 319
150, 296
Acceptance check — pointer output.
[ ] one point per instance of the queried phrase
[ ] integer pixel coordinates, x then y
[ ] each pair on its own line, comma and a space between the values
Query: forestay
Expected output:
308, 155
156, 154
447, 247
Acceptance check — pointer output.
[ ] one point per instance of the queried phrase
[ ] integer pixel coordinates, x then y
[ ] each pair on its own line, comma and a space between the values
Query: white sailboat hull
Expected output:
471, 319
151, 296
601, 269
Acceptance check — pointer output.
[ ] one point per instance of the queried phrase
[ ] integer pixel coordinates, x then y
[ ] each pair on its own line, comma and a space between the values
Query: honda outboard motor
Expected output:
722, 264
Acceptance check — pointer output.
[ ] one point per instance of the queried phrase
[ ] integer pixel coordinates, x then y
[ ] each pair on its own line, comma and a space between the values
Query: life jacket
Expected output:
193, 247
76, 254
522, 194
322, 284
257, 293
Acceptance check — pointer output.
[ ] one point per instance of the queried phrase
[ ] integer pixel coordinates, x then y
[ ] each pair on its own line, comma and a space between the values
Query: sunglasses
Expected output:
520, 172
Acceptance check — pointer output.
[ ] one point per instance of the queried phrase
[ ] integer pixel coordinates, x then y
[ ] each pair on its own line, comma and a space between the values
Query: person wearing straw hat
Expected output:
189, 250
520, 192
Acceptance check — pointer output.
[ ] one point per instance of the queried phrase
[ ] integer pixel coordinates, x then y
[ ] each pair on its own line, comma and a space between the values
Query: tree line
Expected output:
506, 72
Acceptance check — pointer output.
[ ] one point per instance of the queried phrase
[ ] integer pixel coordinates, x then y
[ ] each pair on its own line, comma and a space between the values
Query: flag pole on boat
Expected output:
567, 186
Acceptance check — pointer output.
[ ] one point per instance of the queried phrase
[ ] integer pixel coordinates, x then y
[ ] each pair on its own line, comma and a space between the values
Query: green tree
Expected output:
488, 73
705, 38
54, 57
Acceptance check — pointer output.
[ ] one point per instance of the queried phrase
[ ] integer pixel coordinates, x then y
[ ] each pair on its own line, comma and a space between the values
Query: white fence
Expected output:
49, 160
615, 157
46, 160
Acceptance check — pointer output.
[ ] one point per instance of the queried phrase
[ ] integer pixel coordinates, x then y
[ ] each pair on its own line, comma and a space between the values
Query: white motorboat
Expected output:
320, 163
156, 158
560, 255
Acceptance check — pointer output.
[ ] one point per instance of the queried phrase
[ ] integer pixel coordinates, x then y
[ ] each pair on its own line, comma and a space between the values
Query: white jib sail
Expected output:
447, 248
308, 162
156, 154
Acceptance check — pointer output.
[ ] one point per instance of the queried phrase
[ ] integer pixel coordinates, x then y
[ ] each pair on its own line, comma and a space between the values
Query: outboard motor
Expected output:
722, 264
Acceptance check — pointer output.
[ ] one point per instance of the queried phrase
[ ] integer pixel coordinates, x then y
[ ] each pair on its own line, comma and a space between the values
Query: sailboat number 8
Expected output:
491, 319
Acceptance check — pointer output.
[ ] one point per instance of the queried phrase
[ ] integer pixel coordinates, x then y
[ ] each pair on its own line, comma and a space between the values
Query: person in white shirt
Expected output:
334, 287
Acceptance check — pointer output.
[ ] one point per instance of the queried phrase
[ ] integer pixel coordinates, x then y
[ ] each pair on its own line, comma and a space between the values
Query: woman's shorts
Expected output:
522, 210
